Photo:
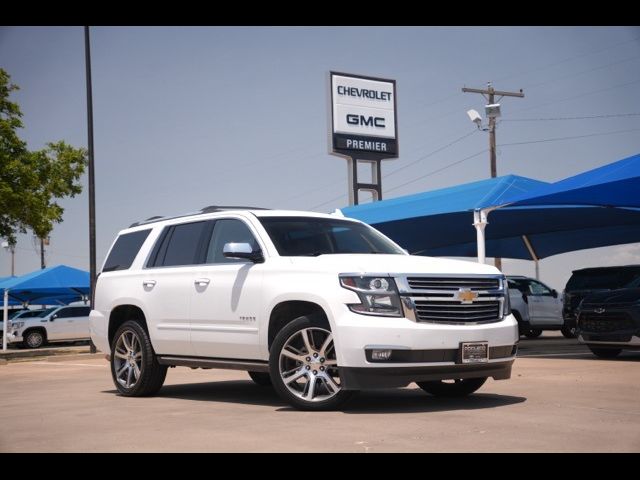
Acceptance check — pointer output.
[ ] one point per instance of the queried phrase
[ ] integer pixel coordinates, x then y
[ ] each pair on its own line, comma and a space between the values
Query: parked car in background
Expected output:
536, 306
586, 281
35, 328
609, 322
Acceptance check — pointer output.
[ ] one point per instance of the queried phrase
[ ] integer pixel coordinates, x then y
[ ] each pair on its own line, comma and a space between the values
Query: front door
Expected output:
226, 298
545, 309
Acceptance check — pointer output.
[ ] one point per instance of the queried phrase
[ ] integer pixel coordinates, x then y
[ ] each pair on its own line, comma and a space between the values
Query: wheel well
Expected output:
285, 312
121, 314
31, 329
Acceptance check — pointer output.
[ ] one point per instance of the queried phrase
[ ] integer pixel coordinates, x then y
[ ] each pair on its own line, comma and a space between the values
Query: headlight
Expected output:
378, 295
16, 325
506, 308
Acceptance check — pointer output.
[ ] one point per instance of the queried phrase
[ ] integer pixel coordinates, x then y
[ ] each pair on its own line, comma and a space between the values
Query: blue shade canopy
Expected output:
48, 286
439, 223
613, 185
446, 201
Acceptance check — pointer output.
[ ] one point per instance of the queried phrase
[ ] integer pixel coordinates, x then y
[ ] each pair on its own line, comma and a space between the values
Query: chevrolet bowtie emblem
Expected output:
599, 310
465, 295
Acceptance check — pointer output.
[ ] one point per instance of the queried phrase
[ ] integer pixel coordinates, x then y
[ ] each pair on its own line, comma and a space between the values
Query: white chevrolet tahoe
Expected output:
319, 306
34, 328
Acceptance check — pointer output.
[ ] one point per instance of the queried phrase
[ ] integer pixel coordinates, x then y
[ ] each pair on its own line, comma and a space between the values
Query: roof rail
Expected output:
221, 208
209, 209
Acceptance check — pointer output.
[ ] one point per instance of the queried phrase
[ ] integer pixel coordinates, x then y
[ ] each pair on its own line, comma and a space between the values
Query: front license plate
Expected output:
475, 352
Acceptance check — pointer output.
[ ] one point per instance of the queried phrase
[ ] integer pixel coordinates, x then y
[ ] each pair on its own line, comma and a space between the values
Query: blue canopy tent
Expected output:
54, 285
614, 185
437, 222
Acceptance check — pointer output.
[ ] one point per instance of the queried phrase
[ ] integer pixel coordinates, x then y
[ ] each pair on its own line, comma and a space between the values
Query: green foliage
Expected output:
31, 182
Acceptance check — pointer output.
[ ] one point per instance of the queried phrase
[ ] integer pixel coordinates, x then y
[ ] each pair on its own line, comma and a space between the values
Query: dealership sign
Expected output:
363, 113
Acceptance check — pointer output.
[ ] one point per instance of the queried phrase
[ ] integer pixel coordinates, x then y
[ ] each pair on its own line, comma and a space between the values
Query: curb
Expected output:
72, 357
31, 355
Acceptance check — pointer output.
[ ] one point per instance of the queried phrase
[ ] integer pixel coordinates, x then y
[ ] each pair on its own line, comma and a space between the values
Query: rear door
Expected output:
167, 285
79, 323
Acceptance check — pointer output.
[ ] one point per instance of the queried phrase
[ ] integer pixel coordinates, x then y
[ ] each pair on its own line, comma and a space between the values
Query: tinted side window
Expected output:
229, 231
182, 247
80, 311
64, 313
125, 250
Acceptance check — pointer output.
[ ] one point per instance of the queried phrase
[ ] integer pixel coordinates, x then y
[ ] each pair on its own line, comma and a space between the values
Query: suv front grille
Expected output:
605, 322
453, 299
450, 283
447, 311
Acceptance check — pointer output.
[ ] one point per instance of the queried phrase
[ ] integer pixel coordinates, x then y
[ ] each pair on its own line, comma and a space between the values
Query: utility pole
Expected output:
490, 95
92, 176
42, 264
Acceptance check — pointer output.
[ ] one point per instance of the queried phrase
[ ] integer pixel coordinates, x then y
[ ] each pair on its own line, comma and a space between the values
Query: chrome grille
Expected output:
448, 311
452, 283
453, 299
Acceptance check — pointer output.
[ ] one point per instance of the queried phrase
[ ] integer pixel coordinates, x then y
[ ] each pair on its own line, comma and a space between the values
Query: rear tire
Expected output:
533, 333
605, 352
261, 378
134, 365
303, 365
452, 388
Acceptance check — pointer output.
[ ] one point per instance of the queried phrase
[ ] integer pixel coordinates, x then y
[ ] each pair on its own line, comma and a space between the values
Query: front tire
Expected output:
34, 339
605, 352
533, 333
261, 378
134, 366
568, 332
303, 365
452, 388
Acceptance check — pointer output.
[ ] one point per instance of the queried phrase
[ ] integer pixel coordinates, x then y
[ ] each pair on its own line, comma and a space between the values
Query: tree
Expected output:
32, 181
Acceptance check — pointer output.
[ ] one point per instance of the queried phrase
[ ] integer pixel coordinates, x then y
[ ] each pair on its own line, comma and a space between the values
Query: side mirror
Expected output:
554, 293
53, 317
242, 250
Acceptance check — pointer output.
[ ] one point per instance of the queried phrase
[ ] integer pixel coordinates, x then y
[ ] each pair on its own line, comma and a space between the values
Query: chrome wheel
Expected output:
127, 359
308, 366
35, 339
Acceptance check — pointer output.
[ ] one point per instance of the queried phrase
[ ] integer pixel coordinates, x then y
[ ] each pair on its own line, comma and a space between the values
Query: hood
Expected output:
621, 296
392, 264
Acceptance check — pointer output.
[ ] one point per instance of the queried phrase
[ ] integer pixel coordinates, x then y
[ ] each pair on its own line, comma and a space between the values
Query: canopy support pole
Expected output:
5, 320
532, 252
480, 222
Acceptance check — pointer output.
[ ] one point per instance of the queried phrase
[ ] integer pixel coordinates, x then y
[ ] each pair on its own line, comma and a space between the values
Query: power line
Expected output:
457, 162
424, 157
564, 77
557, 139
568, 59
554, 102
585, 117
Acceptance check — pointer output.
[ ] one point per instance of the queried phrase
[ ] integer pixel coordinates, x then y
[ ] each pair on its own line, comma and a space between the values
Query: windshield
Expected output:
310, 236
604, 279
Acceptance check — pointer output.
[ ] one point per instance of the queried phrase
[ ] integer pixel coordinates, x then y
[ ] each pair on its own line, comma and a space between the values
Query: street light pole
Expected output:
92, 194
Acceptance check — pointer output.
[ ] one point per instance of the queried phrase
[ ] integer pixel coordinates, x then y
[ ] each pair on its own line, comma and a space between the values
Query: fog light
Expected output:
380, 354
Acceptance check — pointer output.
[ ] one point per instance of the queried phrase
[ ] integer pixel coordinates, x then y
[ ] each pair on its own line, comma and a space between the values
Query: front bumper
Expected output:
394, 377
618, 327
419, 350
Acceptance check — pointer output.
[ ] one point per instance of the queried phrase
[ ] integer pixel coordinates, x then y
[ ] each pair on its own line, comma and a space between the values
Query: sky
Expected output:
187, 117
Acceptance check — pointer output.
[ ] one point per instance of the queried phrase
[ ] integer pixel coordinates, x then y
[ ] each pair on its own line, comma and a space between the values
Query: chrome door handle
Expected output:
202, 281
148, 283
